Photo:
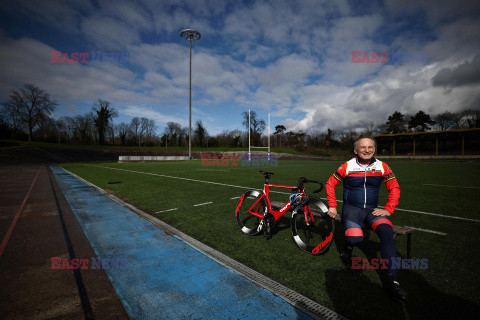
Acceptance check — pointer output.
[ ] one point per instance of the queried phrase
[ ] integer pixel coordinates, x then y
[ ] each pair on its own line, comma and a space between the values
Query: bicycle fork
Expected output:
307, 212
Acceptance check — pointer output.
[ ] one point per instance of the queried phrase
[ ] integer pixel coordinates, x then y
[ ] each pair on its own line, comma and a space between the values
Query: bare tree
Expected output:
121, 130
330, 138
470, 119
110, 133
104, 112
279, 130
147, 129
30, 103
369, 129
316, 139
297, 139
64, 129
173, 133
348, 137
11, 118
446, 120
256, 125
237, 138
135, 128
46, 129
224, 138
200, 133
84, 131
183, 137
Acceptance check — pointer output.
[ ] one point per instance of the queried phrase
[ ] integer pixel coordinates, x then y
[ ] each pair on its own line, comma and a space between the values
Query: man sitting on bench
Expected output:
362, 177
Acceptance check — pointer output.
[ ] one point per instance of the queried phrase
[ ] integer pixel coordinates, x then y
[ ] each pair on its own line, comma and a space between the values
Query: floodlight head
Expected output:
190, 34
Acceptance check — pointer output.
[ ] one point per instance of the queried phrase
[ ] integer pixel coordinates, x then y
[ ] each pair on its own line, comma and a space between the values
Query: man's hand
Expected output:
332, 212
380, 212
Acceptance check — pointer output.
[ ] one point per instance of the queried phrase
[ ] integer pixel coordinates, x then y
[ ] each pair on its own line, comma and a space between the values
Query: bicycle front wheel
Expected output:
251, 209
315, 235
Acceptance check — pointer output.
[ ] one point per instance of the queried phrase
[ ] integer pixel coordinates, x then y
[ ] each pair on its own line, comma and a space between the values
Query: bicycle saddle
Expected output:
266, 173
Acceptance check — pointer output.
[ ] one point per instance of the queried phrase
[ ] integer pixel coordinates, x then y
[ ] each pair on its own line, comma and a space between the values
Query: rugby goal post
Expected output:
250, 147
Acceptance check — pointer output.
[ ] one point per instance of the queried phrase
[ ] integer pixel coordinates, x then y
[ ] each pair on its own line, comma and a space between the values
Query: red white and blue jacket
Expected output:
361, 184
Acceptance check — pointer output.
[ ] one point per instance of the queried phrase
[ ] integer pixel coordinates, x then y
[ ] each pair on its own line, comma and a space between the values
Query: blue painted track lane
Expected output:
165, 277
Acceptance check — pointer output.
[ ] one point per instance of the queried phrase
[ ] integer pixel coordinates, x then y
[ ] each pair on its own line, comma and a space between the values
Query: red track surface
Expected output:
35, 226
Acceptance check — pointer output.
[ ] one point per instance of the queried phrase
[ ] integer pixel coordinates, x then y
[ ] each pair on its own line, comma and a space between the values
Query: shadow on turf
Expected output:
355, 296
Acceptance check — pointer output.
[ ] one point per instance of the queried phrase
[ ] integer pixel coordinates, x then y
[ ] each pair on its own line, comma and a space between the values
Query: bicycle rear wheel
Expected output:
250, 203
314, 237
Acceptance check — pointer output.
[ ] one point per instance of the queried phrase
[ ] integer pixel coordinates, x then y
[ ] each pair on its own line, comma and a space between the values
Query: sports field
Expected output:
440, 198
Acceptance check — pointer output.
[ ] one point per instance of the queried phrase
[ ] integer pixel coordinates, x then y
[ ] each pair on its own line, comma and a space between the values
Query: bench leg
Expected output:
409, 245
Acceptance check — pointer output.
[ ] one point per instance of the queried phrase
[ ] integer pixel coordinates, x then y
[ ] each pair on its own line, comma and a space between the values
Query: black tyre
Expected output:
251, 201
317, 236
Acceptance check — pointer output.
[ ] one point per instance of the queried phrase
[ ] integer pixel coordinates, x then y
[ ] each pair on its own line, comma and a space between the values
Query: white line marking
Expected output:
234, 198
296, 165
167, 210
444, 185
428, 230
427, 213
272, 191
202, 204
439, 215
180, 178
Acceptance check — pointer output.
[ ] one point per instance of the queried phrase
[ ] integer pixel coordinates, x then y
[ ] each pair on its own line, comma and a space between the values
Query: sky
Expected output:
311, 64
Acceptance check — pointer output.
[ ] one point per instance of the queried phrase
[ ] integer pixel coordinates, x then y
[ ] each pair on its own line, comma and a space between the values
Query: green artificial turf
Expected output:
448, 288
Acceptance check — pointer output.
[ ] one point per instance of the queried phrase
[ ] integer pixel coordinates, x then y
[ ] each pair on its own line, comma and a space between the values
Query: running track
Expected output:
47, 213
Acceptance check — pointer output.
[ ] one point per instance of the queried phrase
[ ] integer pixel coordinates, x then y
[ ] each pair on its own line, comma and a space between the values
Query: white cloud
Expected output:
108, 33
28, 60
292, 58
135, 16
406, 89
148, 112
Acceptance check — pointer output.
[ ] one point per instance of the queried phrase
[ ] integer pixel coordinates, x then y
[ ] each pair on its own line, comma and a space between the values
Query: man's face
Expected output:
365, 149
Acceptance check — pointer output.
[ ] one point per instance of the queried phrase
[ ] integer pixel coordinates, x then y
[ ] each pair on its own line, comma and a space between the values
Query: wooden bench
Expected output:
397, 230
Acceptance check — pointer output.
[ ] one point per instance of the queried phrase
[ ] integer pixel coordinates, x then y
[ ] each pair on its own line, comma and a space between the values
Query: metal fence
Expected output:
456, 143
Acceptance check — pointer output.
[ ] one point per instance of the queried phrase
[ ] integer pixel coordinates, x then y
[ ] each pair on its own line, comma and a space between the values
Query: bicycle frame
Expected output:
253, 210
260, 216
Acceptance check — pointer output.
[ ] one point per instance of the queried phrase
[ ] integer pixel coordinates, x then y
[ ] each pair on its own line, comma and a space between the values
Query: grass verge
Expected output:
447, 289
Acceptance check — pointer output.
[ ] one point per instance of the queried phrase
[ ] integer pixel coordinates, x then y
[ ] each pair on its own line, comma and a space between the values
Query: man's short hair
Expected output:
364, 136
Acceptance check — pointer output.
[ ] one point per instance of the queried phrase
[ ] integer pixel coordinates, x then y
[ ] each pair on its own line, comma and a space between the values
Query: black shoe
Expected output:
346, 255
393, 287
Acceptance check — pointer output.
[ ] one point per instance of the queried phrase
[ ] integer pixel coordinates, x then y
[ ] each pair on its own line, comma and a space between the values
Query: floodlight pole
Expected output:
268, 154
190, 35
249, 153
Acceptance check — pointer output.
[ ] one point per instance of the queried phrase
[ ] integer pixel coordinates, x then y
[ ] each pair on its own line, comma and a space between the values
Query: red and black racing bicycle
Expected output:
255, 213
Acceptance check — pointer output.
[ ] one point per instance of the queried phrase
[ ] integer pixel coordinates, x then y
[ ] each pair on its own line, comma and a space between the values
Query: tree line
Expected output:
27, 114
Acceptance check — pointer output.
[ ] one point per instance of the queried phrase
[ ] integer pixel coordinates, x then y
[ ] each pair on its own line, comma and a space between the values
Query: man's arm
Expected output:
393, 192
330, 185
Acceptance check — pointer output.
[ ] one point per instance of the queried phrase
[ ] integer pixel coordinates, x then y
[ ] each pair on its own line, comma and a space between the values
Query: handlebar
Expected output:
303, 180
300, 183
